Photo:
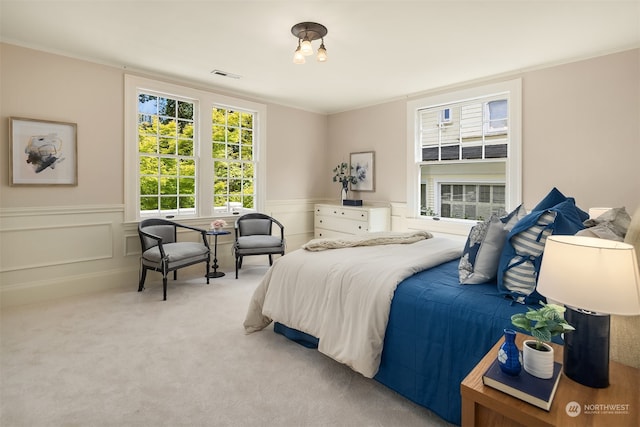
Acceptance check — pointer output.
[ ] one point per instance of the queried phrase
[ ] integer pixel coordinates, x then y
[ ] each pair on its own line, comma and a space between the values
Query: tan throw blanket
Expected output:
343, 296
368, 239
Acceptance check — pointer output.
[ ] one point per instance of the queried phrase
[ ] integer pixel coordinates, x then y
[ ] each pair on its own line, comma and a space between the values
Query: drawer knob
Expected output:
359, 227
342, 213
320, 221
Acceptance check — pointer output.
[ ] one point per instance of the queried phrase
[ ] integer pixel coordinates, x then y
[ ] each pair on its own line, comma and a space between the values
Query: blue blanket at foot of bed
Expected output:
438, 331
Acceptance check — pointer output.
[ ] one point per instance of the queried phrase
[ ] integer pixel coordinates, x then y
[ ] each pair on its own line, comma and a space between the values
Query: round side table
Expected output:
215, 273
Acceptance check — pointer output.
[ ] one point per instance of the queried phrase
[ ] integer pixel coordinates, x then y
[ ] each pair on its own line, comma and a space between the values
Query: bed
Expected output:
432, 334
398, 311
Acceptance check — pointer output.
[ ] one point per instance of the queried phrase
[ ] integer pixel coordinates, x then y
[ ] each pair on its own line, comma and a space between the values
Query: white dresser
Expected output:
341, 221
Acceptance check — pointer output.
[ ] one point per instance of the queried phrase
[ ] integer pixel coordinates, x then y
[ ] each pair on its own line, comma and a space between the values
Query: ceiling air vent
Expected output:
225, 74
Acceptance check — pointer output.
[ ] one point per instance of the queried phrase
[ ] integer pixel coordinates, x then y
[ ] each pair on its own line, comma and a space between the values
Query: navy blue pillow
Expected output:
522, 254
555, 197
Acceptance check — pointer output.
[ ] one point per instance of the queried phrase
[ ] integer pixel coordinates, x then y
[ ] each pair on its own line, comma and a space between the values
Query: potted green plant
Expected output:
543, 324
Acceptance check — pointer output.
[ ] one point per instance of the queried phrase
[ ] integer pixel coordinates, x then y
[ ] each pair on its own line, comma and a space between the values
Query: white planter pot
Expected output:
537, 362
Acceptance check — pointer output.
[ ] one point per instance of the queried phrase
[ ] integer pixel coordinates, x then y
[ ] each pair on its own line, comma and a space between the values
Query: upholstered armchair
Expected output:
253, 234
162, 252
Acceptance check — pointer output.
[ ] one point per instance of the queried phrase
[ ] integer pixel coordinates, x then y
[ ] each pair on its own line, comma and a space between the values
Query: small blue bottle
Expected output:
509, 357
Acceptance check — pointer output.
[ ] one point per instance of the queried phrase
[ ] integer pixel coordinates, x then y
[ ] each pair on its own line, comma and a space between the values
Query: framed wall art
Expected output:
43, 152
363, 169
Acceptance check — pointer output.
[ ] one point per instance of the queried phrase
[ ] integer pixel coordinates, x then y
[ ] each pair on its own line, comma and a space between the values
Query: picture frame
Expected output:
364, 169
42, 152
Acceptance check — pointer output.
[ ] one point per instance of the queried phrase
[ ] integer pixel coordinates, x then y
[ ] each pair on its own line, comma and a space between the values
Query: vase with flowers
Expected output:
342, 174
218, 224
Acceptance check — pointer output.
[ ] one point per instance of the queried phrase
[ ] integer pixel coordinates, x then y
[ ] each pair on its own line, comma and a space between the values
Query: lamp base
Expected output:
586, 350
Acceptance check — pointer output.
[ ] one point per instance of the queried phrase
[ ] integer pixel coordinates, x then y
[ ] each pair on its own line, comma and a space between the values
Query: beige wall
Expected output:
581, 133
382, 129
50, 87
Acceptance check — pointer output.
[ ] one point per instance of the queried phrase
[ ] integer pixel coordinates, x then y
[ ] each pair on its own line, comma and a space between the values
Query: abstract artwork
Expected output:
43, 152
362, 164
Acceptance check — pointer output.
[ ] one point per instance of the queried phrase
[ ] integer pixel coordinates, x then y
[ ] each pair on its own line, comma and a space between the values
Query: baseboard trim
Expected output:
63, 287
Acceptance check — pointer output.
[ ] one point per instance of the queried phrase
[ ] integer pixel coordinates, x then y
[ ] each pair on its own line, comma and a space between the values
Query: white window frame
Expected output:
205, 101
513, 163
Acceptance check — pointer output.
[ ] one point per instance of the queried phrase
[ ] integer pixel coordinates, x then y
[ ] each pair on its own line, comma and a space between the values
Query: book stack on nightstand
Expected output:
524, 386
572, 404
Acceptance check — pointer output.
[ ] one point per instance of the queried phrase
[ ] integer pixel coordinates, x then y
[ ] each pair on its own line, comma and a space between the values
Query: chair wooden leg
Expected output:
270, 260
164, 288
143, 276
237, 261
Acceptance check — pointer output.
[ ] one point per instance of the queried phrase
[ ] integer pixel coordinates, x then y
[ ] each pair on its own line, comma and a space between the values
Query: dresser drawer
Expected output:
343, 225
337, 211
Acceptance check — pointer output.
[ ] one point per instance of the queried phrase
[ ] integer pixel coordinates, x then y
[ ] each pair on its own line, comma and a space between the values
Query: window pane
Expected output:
496, 151
498, 114
247, 152
187, 186
233, 135
148, 185
221, 169
147, 104
218, 133
185, 129
168, 127
148, 203
235, 186
233, 118
168, 167
450, 152
169, 186
168, 203
185, 110
147, 144
247, 137
148, 165
470, 212
187, 167
167, 107
187, 202
167, 146
485, 194
247, 120
457, 193
185, 147
498, 194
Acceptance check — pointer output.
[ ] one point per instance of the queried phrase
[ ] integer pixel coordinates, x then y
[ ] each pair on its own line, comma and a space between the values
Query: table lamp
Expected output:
593, 278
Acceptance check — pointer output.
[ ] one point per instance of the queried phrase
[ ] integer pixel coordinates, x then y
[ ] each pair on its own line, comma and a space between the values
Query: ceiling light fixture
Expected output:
306, 32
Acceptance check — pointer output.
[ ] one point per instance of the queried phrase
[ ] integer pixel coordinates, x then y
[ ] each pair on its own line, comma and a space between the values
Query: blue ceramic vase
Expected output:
509, 357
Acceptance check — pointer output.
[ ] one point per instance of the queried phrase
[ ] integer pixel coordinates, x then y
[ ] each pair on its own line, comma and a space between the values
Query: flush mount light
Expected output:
306, 32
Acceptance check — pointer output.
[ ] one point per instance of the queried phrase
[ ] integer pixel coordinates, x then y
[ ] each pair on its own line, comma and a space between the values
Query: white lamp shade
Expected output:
597, 275
298, 57
322, 54
306, 47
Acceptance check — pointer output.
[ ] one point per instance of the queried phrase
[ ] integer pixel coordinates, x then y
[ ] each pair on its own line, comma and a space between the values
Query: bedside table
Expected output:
573, 404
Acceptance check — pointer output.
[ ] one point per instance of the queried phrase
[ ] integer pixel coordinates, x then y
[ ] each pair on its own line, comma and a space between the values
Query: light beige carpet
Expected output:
123, 358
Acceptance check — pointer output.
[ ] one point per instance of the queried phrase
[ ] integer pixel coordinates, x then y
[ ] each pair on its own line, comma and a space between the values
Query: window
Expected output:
190, 153
233, 160
465, 146
166, 153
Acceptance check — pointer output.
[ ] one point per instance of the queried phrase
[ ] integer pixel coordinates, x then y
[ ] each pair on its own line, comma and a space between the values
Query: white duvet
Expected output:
343, 296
